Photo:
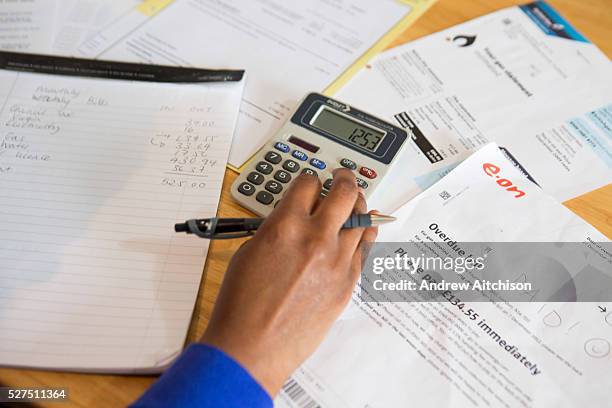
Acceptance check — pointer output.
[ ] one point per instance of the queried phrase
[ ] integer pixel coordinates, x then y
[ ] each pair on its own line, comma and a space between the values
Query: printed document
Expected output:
432, 354
27, 26
79, 20
287, 48
94, 173
522, 77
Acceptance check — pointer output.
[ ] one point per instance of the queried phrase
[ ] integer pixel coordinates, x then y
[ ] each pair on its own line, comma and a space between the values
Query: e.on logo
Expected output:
493, 171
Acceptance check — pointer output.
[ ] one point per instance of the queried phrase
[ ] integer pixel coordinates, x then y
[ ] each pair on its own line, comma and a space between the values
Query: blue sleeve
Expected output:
204, 376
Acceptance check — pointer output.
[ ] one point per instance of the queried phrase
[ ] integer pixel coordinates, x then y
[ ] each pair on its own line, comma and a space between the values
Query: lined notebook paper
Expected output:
93, 176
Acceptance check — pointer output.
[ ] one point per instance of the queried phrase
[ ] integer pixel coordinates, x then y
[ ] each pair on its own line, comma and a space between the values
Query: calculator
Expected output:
323, 134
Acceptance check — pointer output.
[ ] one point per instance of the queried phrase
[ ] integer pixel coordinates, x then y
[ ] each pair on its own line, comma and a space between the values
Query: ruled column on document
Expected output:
93, 176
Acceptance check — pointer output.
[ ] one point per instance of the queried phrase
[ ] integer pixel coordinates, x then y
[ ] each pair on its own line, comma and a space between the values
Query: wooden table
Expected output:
591, 17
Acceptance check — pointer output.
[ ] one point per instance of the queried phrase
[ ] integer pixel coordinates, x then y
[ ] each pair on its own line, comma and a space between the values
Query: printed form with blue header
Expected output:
522, 77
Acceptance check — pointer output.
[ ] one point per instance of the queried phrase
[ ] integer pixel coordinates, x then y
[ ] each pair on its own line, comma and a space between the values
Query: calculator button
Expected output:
274, 187
263, 167
299, 155
246, 189
291, 166
366, 172
310, 172
362, 183
282, 176
348, 163
273, 158
282, 147
318, 164
264, 197
255, 178
328, 184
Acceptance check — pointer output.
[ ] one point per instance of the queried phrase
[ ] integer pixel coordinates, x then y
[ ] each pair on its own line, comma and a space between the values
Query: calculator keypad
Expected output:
362, 183
282, 176
264, 197
300, 155
282, 147
274, 187
255, 178
328, 184
367, 172
291, 166
318, 164
246, 189
348, 163
272, 157
310, 172
268, 181
264, 168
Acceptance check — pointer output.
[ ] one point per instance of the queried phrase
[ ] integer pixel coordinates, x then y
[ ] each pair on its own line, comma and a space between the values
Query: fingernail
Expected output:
336, 170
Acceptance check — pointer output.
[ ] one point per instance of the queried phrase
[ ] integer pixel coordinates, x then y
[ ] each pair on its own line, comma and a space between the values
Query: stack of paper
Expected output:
522, 77
94, 173
525, 78
287, 48
56, 27
431, 354
277, 42
93, 277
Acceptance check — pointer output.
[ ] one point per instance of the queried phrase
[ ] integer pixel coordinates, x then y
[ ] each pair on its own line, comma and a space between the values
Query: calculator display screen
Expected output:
352, 131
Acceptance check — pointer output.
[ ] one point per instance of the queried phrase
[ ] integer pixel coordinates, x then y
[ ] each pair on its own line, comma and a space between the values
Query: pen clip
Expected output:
210, 232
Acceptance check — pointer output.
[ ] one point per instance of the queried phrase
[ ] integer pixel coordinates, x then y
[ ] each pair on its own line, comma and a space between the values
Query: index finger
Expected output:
301, 196
339, 204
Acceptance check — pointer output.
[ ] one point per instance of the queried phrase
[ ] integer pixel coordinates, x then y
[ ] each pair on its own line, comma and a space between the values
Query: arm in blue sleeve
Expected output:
204, 376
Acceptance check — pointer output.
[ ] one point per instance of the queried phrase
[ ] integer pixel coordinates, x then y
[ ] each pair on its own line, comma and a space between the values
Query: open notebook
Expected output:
93, 175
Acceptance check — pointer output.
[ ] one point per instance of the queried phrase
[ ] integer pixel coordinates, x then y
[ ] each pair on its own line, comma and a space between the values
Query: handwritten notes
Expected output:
93, 175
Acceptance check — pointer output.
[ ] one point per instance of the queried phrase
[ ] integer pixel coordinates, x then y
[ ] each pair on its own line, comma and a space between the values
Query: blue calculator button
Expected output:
318, 164
299, 155
282, 147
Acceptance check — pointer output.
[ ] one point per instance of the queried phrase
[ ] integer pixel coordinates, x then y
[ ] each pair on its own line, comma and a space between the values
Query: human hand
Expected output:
286, 286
